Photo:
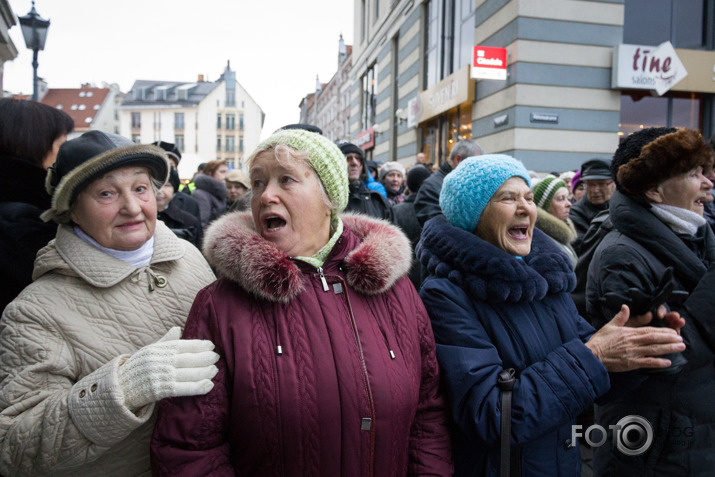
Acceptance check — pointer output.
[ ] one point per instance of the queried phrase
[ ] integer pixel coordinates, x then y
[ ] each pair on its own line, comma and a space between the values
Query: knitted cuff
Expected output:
96, 406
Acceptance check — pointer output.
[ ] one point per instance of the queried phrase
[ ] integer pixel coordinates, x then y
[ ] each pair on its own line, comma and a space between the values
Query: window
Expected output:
230, 143
136, 138
377, 9
231, 163
230, 98
178, 120
231, 121
363, 20
218, 121
136, 120
369, 97
240, 144
651, 22
179, 139
218, 143
640, 110
449, 38
240, 122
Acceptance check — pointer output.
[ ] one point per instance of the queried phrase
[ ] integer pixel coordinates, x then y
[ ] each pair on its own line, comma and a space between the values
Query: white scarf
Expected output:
681, 221
140, 257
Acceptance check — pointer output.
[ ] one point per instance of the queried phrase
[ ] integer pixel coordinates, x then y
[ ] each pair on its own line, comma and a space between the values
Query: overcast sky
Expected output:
276, 47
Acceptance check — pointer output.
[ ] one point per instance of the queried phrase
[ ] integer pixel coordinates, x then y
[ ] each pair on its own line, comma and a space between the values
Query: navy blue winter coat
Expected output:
490, 311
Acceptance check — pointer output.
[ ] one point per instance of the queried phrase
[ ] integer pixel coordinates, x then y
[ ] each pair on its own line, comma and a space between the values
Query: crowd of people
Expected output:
325, 314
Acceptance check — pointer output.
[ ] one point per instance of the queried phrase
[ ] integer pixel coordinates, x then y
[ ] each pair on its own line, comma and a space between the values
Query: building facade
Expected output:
561, 102
8, 50
329, 106
206, 120
90, 107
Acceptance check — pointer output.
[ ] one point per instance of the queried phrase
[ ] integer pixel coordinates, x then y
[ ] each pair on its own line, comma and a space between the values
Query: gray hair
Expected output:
466, 148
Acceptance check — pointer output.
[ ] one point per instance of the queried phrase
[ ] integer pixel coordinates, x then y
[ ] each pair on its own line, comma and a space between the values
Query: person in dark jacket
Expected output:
210, 191
405, 218
498, 297
362, 199
596, 175
181, 200
427, 200
601, 225
182, 223
30, 136
657, 215
327, 363
551, 196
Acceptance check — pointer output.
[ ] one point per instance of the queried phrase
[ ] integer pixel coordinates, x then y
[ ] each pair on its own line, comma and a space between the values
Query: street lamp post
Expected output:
34, 30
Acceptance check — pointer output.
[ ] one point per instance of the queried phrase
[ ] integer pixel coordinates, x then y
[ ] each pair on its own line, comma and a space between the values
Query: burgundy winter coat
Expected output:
327, 372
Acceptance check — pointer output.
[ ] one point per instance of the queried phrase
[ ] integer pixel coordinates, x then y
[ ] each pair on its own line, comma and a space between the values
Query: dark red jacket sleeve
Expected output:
190, 437
430, 450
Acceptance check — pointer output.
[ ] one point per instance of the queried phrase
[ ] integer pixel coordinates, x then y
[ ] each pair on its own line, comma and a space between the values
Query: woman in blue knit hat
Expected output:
497, 292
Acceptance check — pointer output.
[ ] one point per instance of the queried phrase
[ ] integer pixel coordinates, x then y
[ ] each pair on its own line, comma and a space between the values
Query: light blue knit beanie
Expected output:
467, 189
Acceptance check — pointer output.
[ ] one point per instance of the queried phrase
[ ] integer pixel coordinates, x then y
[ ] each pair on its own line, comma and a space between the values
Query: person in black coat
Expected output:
361, 199
596, 175
427, 200
181, 200
30, 136
405, 218
182, 223
659, 229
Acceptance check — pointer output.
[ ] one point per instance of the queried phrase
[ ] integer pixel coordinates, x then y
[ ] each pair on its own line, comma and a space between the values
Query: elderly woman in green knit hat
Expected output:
327, 360
551, 196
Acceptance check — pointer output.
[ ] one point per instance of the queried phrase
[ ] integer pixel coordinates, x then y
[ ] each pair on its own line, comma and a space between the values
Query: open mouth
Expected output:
273, 223
518, 232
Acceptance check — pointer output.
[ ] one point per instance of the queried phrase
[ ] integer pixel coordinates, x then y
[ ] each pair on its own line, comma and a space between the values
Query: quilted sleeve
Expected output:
48, 421
430, 451
191, 434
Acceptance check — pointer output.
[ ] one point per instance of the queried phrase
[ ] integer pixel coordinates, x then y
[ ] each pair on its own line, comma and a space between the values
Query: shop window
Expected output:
651, 22
640, 110
440, 134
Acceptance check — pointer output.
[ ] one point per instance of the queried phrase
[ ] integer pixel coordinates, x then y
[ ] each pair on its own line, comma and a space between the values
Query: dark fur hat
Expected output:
665, 157
631, 147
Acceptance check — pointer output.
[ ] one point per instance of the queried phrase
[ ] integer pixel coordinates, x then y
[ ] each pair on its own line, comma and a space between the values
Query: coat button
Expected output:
93, 388
567, 444
82, 393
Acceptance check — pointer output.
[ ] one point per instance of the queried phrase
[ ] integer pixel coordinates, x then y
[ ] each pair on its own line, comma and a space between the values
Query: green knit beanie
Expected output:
323, 155
545, 190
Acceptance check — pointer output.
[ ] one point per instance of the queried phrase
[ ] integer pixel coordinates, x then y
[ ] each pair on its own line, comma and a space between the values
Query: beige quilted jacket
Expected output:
61, 341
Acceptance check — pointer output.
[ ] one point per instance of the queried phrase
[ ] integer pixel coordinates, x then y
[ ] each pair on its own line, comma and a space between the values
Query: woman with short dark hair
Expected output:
30, 136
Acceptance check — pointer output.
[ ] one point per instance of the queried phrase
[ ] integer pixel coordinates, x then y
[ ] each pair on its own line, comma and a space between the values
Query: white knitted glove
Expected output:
170, 367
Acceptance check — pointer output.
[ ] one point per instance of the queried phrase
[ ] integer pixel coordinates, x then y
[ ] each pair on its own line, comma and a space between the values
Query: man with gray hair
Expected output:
427, 200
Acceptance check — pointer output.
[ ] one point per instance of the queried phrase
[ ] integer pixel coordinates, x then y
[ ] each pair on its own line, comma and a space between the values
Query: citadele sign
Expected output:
655, 68
489, 63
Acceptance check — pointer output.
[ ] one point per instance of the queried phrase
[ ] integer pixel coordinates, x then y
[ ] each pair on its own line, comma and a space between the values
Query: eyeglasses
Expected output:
598, 184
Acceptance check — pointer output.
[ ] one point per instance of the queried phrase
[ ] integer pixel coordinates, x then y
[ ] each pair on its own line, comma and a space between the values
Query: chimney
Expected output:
201, 78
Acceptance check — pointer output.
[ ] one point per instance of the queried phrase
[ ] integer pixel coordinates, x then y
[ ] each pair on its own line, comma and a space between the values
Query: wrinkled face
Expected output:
354, 166
163, 197
393, 180
688, 191
560, 204
599, 191
119, 209
234, 191
287, 205
579, 191
220, 173
508, 219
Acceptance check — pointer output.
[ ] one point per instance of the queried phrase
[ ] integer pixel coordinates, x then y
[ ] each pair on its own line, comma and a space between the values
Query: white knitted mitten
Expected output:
170, 367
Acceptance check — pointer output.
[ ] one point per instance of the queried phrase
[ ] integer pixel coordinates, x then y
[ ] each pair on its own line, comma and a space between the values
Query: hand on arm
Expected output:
168, 368
624, 348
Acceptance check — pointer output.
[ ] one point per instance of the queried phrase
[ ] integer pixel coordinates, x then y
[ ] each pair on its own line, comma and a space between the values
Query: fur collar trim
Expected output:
557, 229
373, 253
490, 274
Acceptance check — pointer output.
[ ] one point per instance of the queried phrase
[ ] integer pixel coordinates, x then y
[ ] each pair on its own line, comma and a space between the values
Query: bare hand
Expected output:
622, 348
672, 319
